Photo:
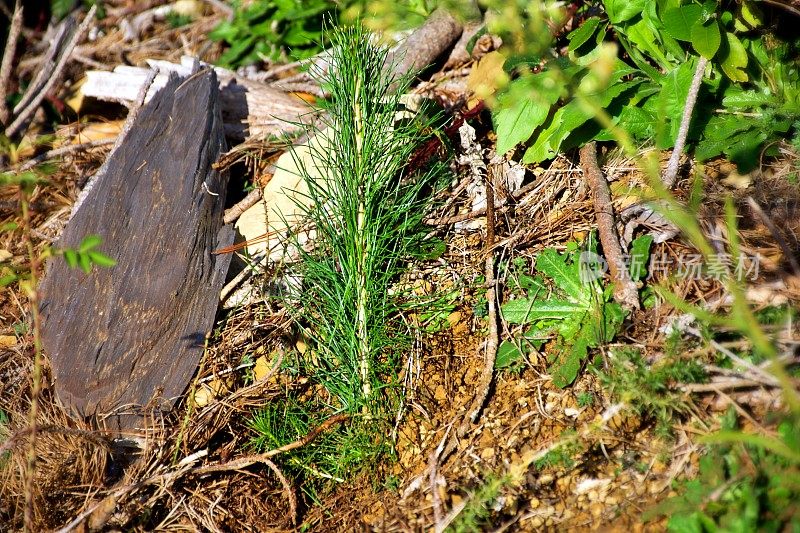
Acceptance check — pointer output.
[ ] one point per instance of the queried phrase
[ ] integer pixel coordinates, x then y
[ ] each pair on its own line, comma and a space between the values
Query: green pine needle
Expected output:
367, 219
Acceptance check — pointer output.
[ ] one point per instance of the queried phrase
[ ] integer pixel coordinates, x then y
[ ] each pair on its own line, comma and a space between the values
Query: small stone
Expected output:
536, 522
440, 394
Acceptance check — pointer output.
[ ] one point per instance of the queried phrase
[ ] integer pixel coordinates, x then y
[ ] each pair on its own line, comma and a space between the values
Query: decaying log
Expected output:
249, 108
131, 336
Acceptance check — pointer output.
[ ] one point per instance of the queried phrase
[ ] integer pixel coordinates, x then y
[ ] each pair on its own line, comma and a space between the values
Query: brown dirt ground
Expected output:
613, 472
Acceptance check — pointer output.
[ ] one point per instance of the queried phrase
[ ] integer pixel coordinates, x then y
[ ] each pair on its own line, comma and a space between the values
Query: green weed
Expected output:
579, 311
643, 91
743, 484
271, 29
652, 391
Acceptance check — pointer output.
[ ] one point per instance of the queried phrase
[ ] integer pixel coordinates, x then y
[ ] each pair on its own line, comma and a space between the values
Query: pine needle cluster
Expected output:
367, 219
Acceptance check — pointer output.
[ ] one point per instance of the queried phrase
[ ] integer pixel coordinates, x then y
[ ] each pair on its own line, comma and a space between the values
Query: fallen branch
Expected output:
48, 74
232, 214
244, 462
671, 173
8, 60
492, 340
625, 291
63, 150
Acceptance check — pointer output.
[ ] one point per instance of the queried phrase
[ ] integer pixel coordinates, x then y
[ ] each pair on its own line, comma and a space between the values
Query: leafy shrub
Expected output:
753, 80
271, 29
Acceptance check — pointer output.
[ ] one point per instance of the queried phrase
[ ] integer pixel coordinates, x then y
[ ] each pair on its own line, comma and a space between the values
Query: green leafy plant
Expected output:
743, 484
271, 29
367, 218
651, 390
579, 312
336, 455
752, 81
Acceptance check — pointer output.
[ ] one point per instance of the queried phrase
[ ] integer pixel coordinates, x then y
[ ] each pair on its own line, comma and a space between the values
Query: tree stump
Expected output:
125, 341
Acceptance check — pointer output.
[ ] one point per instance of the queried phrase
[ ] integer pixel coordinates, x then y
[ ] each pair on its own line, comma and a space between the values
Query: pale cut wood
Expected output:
249, 108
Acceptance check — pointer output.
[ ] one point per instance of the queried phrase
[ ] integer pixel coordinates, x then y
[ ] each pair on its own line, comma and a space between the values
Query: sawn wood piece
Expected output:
127, 339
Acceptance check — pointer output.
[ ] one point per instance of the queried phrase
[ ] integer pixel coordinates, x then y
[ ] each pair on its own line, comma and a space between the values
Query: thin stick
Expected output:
8, 60
252, 198
773, 229
491, 295
244, 462
36, 386
18, 125
50, 154
287, 487
671, 173
625, 292
516, 195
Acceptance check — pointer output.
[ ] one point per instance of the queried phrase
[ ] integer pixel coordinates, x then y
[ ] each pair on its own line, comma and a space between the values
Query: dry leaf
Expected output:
486, 77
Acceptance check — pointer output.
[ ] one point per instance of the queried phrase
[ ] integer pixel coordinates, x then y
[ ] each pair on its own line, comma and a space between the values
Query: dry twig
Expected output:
491, 295
48, 75
50, 154
8, 59
671, 173
625, 292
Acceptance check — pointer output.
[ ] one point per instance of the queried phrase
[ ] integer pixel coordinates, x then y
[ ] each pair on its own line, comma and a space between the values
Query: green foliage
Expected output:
651, 390
335, 455
562, 455
62, 8
579, 311
176, 20
746, 483
754, 81
272, 29
368, 220
87, 255
477, 511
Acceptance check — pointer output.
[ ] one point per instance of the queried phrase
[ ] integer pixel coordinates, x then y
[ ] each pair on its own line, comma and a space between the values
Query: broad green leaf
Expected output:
564, 121
89, 242
679, 21
553, 264
639, 256
567, 361
524, 106
735, 98
71, 257
733, 58
750, 15
622, 10
706, 38
646, 40
675, 88
8, 279
100, 259
583, 33
611, 320
515, 124
525, 310
637, 122
507, 354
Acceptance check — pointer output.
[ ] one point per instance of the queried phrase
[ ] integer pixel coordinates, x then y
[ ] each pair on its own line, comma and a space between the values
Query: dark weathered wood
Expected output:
128, 338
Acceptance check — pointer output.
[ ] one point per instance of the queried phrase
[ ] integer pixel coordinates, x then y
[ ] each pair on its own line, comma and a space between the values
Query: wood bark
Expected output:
127, 339
249, 108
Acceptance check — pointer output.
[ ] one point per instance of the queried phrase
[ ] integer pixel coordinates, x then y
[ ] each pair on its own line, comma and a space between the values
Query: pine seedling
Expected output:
367, 218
